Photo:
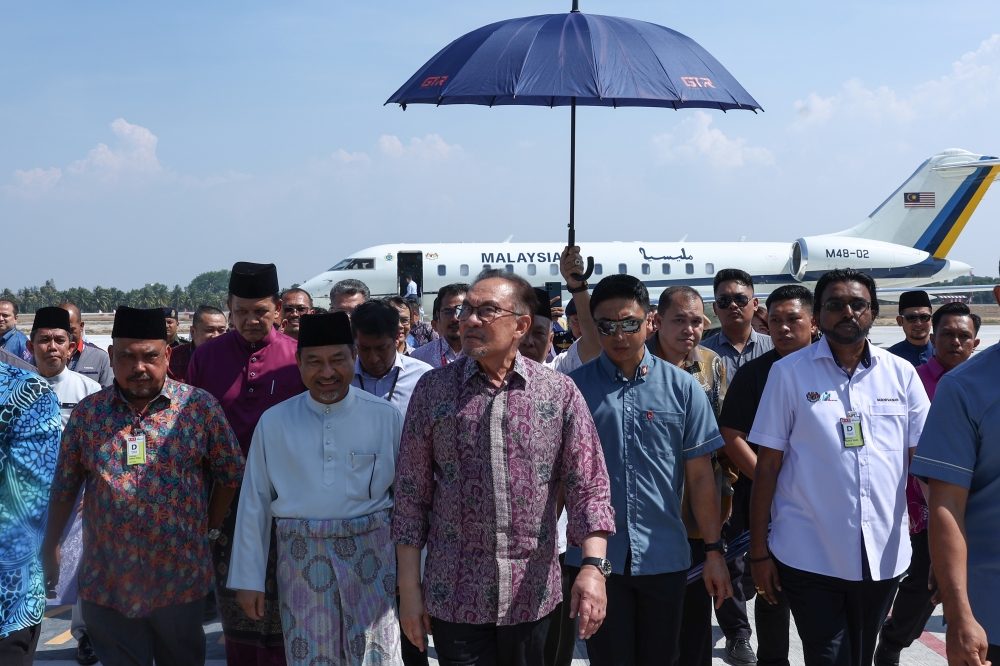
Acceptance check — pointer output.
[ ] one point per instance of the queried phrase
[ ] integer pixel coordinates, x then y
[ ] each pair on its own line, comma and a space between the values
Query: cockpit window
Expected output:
354, 264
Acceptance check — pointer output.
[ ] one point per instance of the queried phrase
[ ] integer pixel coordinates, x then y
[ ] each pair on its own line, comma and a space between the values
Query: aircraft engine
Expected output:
812, 256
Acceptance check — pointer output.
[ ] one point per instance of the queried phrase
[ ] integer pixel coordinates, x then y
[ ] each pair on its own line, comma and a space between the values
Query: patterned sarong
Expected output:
337, 582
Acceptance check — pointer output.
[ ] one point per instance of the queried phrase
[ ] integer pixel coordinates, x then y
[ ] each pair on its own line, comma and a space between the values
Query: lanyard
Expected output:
392, 391
444, 359
75, 361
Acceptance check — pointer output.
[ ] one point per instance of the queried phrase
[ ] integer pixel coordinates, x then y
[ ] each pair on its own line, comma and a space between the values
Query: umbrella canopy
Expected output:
556, 59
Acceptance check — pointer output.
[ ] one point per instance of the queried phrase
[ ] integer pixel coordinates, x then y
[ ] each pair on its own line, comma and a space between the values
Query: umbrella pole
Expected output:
572, 192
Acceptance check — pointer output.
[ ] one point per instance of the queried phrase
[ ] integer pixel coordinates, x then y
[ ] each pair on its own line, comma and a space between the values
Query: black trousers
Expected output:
560, 644
732, 615
994, 654
912, 607
838, 620
695, 643
773, 626
643, 622
460, 644
18, 647
172, 635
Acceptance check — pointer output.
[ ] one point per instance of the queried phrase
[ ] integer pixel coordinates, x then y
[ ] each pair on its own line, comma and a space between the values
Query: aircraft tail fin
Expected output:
931, 208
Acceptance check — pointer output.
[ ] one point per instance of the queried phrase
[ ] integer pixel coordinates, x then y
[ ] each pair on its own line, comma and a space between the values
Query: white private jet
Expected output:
903, 245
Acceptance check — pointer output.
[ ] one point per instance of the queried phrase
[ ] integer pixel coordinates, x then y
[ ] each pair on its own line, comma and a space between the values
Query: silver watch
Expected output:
214, 533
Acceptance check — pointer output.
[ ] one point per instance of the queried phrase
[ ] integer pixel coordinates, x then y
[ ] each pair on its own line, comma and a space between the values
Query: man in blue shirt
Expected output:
959, 455
915, 319
657, 431
12, 340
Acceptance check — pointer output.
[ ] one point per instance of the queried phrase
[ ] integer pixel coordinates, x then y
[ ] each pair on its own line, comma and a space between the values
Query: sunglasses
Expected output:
857, 307
724, 302
608, 327
914, 318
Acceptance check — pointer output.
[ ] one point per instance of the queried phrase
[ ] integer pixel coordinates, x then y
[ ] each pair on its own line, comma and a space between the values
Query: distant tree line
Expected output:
978, 297
209, 288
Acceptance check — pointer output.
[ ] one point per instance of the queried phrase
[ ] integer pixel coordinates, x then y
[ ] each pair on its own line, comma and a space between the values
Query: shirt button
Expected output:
327, 441
628, 409
253, 374
251, 390
329, 457
630, 467
253, 360
327, 425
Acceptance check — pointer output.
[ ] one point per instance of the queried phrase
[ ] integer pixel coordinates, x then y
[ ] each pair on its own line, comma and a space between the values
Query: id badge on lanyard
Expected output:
135, 449
851, 426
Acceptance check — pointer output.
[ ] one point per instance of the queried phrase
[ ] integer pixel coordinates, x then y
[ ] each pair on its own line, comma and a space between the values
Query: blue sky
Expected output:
147, 143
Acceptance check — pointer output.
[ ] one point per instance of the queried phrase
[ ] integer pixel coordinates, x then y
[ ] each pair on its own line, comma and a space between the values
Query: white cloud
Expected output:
814, 109
698, 139
135, 152
214, 179
33, 182
430, 147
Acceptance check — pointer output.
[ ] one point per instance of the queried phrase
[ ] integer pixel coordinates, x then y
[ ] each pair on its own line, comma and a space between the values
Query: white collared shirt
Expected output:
830, 497
71, 387
397, 385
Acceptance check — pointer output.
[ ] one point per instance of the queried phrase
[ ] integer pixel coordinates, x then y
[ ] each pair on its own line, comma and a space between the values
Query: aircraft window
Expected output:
710, 269
553, 269
689, 269
464, 269
442, 269
623, 268
509, 268
531, 269
645, 269
354, 264
598, 269
666, 269
487, 267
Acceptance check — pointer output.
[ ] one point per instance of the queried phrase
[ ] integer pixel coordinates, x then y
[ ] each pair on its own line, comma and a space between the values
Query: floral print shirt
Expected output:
478, 475
145, 526
29, 443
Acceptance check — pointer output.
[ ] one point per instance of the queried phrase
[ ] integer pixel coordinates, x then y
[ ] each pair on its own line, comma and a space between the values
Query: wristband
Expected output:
576, 290
760, 559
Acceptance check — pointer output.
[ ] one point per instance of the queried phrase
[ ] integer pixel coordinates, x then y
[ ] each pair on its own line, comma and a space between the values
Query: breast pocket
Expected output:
368, 475
888, 426
662, 433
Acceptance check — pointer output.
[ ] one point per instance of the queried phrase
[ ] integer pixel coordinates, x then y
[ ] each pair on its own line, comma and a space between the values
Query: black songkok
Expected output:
913, 299
543, 308
51, 318
250, 280
321, 330
571, 308
170, 313
139, 324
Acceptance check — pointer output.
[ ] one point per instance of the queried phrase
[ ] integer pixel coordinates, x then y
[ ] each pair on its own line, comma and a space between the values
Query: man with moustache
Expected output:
332, 501
208, 322
12, 340
249, 370
294, 304
537, 342
88, 360
790, 322
915, 319
835, 429
448, 347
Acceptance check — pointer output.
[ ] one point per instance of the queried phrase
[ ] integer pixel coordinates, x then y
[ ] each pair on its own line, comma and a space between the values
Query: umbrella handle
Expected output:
590, 260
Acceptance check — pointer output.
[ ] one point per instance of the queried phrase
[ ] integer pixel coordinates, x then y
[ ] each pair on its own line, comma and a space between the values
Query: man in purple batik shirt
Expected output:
486, 444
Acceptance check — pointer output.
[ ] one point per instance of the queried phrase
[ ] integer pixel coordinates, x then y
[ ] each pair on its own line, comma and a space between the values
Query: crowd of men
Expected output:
342, 485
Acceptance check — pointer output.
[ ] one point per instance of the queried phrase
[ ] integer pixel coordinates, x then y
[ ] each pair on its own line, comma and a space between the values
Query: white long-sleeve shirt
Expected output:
71, 387
313, 461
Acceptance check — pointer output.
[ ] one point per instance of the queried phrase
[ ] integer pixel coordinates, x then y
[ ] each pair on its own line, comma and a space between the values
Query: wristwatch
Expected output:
719, 545
214, 533
603, 565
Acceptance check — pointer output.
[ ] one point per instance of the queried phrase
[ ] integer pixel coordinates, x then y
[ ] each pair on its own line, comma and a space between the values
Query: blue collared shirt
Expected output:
397, 385
16, 342
649, 426
757, 345
917, 355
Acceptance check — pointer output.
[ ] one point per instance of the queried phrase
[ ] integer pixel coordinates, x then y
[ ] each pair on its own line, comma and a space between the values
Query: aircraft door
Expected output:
412, 264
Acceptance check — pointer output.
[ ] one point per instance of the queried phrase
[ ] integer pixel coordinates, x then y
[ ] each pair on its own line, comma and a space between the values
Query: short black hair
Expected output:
732, 275
449, 290
844, 275
397, 302
350, 287
205, 310
790, 292
620, 286
13, 305
435, 309
413, 305
296, 290
956, 310
320, 311
524, 294
377, 319
668, 295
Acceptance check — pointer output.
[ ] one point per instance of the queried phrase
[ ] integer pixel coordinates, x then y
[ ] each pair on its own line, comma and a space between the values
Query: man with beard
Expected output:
915, 319
448, 347
208, 322
249, 370
294, 304
89, 360
848, 415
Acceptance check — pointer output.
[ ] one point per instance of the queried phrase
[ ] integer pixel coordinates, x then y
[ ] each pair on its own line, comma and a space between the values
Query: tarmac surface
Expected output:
57, 647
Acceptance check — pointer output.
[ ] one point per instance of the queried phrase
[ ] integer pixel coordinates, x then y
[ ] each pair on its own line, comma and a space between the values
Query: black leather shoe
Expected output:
739, 653
85, 652
885, 656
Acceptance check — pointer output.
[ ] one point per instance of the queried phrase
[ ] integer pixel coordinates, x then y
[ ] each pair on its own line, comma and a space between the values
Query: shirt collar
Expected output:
693, 358
754, 338
471, 368
613, 373
935, 368
255, 346
360, 369
166, 393
8, 335
823, 351
323, 409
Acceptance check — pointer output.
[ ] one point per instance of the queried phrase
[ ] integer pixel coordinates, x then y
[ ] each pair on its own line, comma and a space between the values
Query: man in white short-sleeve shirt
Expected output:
836, 427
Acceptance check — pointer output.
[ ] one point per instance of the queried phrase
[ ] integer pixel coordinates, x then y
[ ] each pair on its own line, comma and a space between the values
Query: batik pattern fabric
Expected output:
30, 424
337, 582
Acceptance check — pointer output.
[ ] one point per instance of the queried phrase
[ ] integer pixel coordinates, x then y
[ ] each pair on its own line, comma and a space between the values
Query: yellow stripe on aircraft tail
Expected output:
963, 218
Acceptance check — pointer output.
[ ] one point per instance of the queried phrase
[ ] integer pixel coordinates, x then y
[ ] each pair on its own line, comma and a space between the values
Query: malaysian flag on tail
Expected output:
918, 200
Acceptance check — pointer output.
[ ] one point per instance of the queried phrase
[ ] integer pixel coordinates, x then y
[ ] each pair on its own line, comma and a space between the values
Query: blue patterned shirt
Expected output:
29, 444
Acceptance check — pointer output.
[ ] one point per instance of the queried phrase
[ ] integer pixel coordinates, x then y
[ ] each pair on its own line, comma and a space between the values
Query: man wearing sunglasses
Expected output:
915, 318
658, 431
294, 304
836, 428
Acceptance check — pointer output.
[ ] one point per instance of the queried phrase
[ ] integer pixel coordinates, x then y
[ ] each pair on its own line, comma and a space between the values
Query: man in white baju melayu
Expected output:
323, 463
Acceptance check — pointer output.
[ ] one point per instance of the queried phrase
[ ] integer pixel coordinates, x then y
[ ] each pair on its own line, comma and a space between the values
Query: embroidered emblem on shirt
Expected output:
812, 396
649, 416
644, 370
829, 396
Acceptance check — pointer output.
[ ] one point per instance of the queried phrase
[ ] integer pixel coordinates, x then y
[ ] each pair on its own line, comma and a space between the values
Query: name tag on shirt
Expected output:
853, 437
135, 451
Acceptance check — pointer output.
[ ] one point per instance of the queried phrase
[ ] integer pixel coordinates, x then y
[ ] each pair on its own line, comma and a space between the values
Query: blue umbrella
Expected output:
570, 59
